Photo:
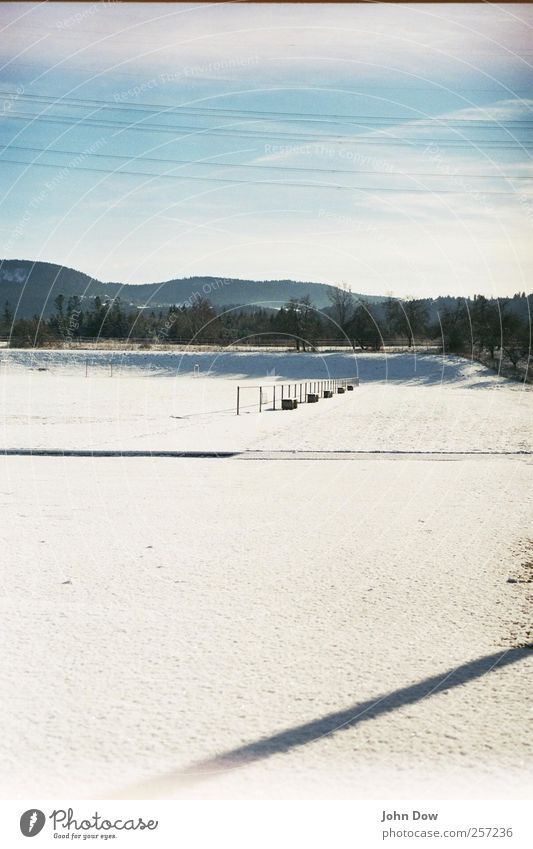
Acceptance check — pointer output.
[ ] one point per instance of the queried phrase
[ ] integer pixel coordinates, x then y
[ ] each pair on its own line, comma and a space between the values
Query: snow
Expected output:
153, 401
167, 620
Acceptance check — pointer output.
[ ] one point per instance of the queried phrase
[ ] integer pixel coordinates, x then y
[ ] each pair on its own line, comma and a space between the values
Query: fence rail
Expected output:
250, 343
296, 390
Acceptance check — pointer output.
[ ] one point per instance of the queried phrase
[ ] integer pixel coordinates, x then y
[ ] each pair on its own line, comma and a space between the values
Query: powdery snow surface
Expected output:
303, 623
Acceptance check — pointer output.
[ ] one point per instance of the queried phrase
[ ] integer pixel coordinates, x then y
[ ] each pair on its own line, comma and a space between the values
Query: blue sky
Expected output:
387, 148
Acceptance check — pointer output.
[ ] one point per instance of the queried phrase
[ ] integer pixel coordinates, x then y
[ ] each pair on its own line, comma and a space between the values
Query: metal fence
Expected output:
276, 393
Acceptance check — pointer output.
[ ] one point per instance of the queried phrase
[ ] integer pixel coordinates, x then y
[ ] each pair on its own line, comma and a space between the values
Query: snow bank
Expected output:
426, 369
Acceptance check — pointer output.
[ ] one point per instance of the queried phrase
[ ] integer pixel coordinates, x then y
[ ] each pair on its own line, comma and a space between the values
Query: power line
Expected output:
494, 144
284, 183
367, 86
255, 114
164, 161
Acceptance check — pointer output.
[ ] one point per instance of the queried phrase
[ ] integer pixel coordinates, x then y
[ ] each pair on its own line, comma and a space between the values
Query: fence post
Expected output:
238, 398
274, 397
260, 398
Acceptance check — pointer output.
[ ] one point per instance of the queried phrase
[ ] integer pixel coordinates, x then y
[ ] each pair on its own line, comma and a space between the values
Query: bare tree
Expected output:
342, 305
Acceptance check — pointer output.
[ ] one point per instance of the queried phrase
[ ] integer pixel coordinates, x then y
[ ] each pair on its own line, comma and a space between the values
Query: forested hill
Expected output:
31, 288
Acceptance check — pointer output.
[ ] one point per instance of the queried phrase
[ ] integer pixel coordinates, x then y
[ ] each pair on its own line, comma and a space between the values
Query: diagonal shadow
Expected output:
331, 723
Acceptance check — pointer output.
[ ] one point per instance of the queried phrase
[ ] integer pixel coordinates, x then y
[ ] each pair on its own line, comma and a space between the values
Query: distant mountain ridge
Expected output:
31, 288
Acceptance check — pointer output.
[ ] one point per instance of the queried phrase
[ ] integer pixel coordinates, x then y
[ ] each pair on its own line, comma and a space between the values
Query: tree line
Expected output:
479, 326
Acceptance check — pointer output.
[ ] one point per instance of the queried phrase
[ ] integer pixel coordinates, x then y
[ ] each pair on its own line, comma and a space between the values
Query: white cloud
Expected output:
316, 42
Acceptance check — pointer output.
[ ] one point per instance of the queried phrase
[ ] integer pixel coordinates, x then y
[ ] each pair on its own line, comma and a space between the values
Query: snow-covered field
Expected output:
153, 401
305, 618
